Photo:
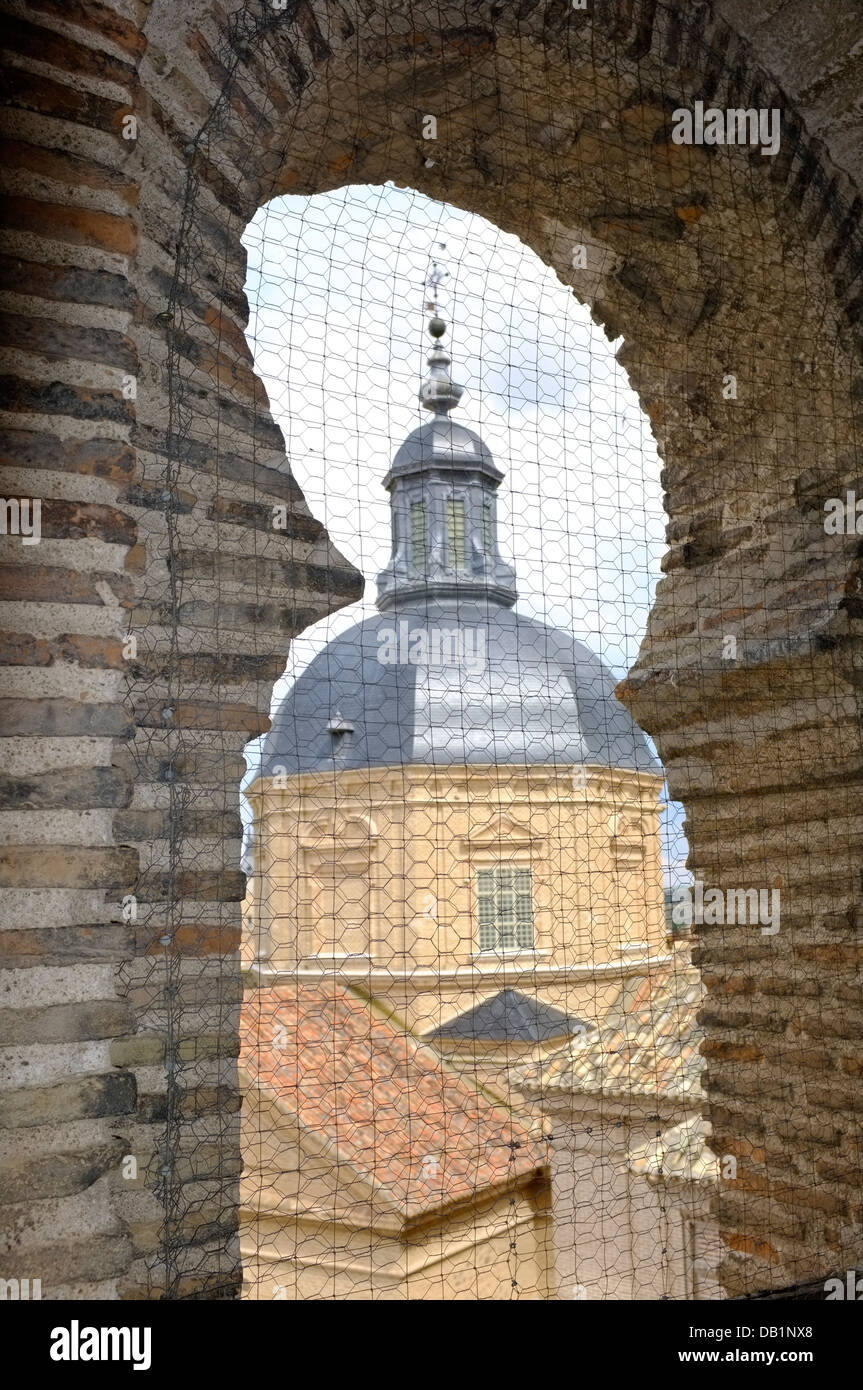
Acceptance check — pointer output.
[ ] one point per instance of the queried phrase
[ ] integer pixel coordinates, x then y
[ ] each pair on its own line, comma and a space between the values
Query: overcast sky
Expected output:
337, 289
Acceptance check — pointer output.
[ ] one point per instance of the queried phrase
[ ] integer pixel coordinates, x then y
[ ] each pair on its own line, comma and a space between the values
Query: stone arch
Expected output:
556, 125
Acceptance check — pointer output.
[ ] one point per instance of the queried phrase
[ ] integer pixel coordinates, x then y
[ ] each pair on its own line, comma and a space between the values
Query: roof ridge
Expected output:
374, 1094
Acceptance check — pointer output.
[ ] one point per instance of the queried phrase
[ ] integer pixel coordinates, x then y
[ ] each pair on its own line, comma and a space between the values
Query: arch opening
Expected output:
390, 840
687, 254
732, 278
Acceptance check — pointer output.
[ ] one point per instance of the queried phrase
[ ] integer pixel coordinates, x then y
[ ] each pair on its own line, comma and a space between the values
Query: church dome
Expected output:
446, 673
489, 687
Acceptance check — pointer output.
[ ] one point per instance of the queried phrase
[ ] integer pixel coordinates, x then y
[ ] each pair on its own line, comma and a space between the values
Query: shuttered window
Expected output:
418, 535
486, 529
455, 534
505, 909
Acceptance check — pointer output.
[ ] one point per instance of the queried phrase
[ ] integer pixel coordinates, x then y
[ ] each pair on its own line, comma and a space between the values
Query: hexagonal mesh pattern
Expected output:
453, 831
381, 437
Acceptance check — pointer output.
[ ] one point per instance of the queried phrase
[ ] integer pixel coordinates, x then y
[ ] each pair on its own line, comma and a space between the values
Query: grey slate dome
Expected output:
446, 673
536, 696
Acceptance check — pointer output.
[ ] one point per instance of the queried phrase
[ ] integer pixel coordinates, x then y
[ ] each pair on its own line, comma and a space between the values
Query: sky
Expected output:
338, 287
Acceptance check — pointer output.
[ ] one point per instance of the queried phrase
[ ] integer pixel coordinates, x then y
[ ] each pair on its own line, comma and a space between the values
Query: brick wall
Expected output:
131, 409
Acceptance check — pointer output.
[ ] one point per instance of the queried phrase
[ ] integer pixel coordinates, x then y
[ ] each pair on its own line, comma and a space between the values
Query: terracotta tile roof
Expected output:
390, 1107
648, 1045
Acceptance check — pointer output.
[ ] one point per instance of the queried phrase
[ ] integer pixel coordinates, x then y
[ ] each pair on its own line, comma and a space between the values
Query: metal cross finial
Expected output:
436, 277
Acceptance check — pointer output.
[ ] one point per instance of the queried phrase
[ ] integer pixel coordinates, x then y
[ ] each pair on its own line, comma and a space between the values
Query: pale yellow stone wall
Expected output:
312, 1229
618, 1235
372, 873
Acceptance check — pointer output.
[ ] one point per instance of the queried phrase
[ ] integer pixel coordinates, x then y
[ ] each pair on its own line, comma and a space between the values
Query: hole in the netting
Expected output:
460, 856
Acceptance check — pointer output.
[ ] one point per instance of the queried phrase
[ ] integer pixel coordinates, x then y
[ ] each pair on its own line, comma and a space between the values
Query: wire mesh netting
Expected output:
459, 859
470, 1048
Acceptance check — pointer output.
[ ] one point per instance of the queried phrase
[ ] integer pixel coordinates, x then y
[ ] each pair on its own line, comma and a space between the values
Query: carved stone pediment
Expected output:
502, 831
331, 830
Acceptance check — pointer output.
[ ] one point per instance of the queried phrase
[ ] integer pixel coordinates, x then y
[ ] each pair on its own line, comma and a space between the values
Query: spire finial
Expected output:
442, 485
437, 276
438, 391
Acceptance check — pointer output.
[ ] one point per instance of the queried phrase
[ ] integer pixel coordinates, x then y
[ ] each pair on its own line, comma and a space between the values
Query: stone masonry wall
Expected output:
131, 409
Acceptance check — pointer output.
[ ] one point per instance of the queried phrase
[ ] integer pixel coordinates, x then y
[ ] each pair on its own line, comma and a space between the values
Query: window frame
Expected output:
418, 520
523, 929
455, 515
